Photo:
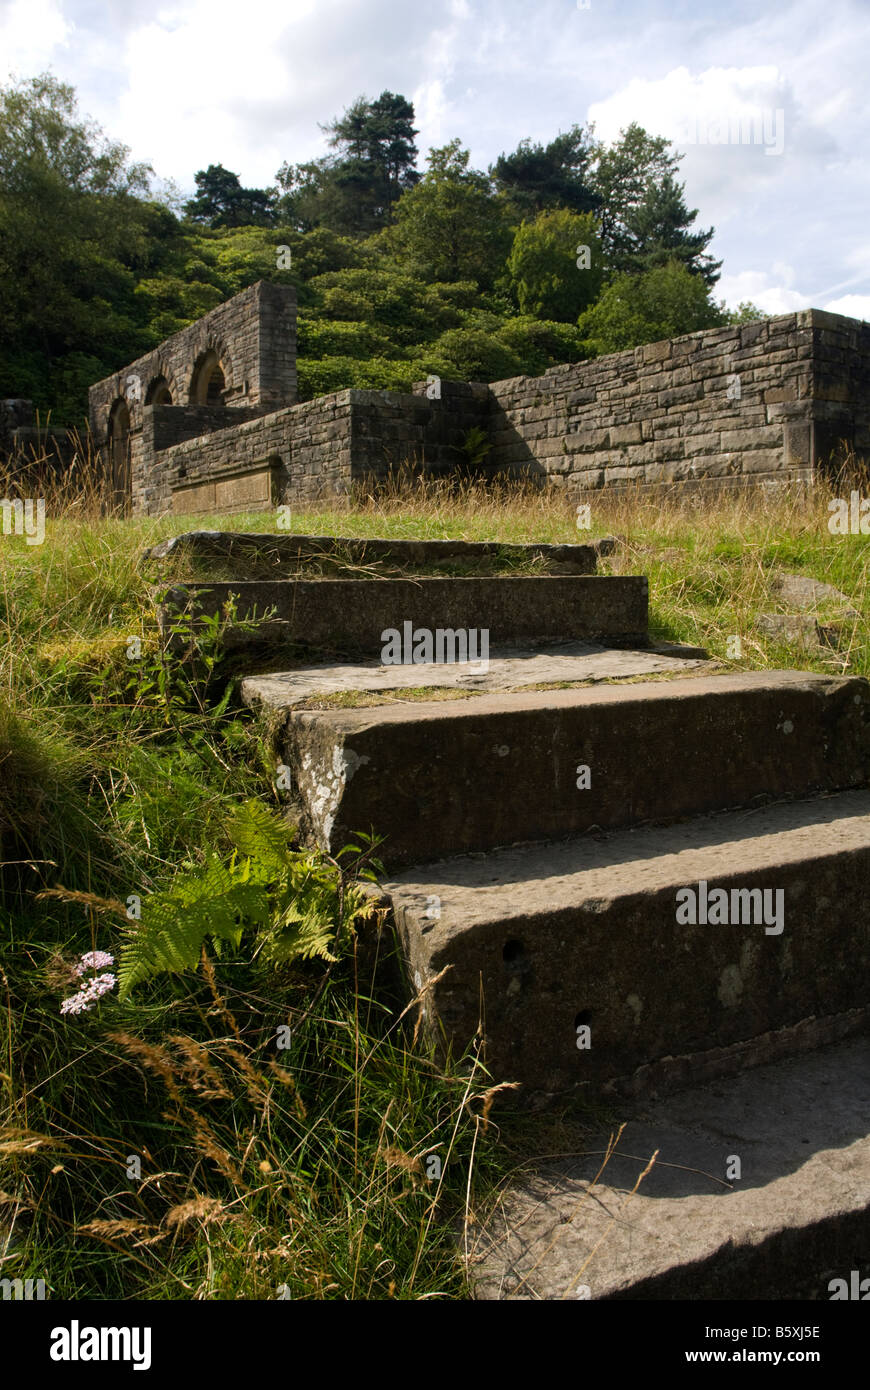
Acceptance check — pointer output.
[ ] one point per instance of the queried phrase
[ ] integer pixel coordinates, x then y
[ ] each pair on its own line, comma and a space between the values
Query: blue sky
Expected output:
766, 100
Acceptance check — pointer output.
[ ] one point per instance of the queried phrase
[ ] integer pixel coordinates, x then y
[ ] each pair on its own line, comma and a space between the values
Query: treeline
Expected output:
556, 253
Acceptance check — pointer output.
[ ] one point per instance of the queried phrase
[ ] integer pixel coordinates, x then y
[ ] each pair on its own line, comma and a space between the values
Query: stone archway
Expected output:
209, 380
120, 473
158, 392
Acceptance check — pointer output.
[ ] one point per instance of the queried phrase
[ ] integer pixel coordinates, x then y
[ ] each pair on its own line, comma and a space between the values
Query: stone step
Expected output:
239, 553
508, 669
353, 614
448, 777
794, 1225
598, 932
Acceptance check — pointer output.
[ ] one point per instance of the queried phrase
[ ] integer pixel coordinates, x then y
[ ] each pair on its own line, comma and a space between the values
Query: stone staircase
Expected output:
630, 874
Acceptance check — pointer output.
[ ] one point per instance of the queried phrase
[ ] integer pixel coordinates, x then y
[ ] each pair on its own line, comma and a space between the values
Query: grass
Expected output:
166, 1147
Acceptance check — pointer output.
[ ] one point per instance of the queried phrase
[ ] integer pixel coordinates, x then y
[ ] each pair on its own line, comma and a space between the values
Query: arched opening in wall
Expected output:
120, 474
158, 392
209, 380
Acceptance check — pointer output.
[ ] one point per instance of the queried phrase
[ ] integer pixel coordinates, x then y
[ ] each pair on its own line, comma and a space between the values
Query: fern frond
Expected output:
200, 903
298, 903
262, 835
303, 939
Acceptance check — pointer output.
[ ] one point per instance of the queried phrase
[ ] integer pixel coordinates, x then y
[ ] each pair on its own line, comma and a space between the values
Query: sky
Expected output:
764, 98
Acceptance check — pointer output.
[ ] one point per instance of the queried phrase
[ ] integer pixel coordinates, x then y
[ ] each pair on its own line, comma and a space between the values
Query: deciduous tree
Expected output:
556, 265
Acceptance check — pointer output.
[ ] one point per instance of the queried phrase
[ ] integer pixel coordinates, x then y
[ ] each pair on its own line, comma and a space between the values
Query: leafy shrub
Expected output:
542, 343
318, 378
478, 355
543, 266
635, 309
337, 339
340, 303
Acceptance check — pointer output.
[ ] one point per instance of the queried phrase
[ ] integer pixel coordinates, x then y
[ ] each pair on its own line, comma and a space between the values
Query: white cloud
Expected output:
766, 160
854, 306
687, 105
201, 87
772, 292
31, 32
207, 82
432, 111
732, 126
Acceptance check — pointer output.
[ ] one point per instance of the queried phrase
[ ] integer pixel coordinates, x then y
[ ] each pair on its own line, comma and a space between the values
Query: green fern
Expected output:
299, 904
475, 446
260, 835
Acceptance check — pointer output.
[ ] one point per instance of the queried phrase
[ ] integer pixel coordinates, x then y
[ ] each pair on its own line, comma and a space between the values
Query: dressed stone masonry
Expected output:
209, 421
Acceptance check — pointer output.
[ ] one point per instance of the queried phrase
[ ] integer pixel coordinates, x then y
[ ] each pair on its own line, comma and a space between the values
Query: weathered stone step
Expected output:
509, 668
352, 614
239, 552
794, 1225
598, 932
440, 778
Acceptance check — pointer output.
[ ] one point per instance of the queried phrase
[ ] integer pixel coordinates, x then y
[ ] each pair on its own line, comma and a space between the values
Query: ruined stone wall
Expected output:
297, 454
391, 428
725, 404
312, 449
758, 402
254, 338
163, 427
251, 339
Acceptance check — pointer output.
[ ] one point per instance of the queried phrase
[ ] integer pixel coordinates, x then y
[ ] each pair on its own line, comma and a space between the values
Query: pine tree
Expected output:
536, 177
353, 190
222, 202
643, 214
656, 234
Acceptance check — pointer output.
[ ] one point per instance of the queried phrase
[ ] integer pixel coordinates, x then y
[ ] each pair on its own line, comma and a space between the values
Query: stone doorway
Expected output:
120, 473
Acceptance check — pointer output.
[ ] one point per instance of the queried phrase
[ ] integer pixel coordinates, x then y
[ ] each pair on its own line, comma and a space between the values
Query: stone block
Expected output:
625, 434
762, 461
760, 437
413, 770
797, 1231
797, 444
653, 352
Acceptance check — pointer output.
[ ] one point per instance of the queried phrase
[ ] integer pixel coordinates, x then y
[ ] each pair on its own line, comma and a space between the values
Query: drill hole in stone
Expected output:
583, 1019
513, 952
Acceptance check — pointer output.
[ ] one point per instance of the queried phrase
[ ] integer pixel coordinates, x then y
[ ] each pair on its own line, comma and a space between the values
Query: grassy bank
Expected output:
260, 1122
